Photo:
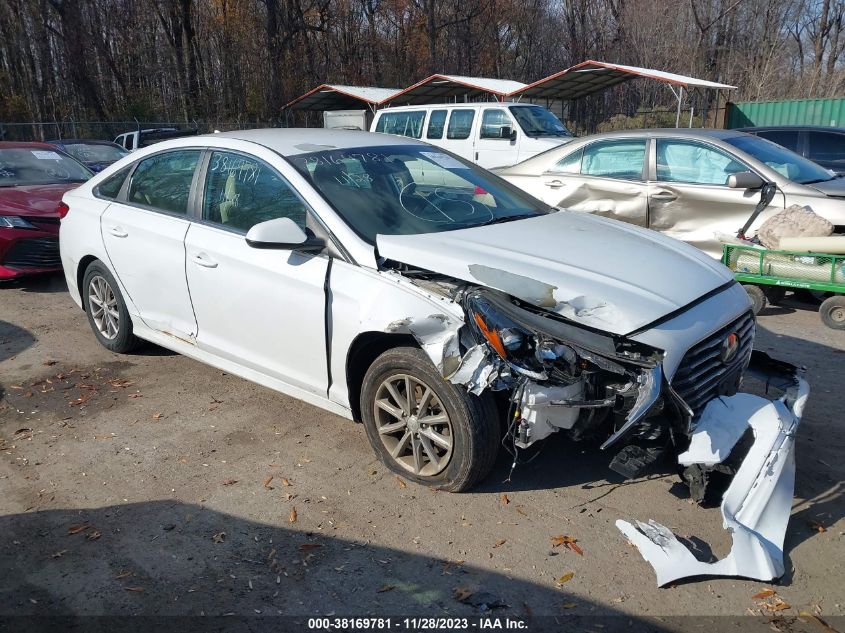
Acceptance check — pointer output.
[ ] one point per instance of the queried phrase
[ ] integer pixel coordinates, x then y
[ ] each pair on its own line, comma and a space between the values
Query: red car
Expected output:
33, 178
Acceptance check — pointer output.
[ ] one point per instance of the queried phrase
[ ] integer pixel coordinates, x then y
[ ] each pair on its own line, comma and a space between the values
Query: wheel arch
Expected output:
84, 263
365, 348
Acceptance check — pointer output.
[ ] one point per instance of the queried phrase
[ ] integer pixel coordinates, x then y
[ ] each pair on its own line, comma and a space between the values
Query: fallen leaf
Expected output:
569, 605
122, 575
49, 363
267, 481
271, 554
401, 481
119, 382
817, 526
777, 605
500, 542
385, 588
766, 593
93, 535
306, 546
462, 593
135, 395
568, 542
76, 529
135, 589
158, 416
22, 434
106, 436
58, 554
505, 499
229, 482
519, 510
219, 537
292, 515
565, 578
285, 481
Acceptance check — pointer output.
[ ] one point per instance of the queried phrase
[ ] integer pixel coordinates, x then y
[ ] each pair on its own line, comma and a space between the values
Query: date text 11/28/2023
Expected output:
415, 624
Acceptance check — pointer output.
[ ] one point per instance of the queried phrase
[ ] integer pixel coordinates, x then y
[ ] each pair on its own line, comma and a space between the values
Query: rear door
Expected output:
827, 149
689, 197
144, 235
492, 149
459, 133
261, 308
605, 178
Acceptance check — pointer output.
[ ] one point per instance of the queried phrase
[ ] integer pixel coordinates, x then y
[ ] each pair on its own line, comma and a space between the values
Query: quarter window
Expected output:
694, 163
110, 187
164, 181
402, 123
436, 124
492, 122
241, 191
615, 159
570, 164
460, 124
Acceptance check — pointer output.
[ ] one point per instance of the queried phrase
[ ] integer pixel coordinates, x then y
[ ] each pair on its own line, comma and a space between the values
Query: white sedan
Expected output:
393, 283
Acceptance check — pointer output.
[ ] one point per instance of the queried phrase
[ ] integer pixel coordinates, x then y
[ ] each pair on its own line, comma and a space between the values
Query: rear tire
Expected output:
775, 294
757, 296
107, 314
832, 312
441, 436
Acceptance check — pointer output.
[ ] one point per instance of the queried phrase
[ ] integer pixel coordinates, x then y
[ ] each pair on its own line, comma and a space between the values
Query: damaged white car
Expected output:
396, 284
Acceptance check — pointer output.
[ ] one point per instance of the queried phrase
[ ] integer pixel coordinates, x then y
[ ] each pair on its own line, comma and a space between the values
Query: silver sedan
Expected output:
678, 181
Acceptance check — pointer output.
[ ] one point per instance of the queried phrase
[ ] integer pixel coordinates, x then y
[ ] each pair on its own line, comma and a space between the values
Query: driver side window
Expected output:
694, 163
241, 191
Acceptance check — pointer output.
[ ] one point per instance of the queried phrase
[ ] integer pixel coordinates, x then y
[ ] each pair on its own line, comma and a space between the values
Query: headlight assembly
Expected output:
14, 222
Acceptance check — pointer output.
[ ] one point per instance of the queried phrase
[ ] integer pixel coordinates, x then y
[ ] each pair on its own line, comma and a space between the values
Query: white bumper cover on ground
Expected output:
757, 504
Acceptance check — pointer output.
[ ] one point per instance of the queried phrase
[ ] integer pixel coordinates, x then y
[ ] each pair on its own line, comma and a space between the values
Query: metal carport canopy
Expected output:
591, 76
338, 97
438, 88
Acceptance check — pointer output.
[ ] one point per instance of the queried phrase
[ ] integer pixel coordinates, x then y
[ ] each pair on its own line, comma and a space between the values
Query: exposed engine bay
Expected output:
565, 377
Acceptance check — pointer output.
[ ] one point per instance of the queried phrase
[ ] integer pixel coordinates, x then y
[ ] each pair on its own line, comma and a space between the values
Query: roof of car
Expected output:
292, 141
816, 128
25, 145
670, 131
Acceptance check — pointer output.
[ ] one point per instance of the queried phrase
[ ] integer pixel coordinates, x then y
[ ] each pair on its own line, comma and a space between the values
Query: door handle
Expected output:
554, 184
118, 231
201, 259
666, 196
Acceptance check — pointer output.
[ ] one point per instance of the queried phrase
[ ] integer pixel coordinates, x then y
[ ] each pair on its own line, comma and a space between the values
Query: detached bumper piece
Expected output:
757, 504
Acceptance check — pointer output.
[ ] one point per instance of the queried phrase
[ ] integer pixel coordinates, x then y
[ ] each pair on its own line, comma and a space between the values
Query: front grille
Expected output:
42, 252
702, 375
43, 219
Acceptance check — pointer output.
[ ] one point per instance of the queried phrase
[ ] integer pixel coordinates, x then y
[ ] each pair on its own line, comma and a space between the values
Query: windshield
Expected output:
786, 163
23, 166
406, 190
95, 152
537, 121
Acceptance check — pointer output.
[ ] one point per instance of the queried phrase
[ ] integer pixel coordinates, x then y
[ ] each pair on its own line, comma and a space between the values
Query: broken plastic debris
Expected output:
757, 504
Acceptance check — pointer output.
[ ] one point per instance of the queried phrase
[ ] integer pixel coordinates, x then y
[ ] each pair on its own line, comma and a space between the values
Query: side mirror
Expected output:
506, 131
282, 234
745, 180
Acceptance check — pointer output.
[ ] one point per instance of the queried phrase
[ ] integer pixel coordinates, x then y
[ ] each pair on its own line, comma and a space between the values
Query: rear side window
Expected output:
825, 146
402, 123
615, 159
110, 187
241, 191
784, 138
492, 122
460, 124
436, 124
164, 181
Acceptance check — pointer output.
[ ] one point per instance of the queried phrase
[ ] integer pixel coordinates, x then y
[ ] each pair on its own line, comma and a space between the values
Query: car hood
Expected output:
835, 187
32, 200
592, 270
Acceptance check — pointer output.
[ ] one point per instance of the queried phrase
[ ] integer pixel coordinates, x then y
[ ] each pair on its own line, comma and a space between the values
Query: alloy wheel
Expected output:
413, 425
102, 304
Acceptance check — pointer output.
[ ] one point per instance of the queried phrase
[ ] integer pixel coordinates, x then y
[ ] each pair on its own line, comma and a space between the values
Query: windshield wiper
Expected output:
503, 219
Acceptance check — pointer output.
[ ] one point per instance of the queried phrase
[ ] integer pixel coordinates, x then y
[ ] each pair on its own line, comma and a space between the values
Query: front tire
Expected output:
107, 314
832, 312
423, 427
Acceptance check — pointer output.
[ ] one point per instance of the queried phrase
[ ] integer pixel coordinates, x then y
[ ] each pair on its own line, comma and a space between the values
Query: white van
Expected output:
489, 134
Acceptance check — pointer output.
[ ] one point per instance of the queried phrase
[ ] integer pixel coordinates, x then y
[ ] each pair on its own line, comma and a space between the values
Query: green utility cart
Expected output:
767, 274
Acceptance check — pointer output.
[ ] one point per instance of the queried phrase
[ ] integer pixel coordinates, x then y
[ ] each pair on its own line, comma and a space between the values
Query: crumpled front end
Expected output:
757, 504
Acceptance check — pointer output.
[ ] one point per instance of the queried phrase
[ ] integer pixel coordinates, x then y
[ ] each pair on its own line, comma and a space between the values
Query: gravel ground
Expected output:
152, 484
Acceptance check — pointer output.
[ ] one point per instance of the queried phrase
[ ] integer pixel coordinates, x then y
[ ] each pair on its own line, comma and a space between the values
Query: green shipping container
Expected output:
827, 112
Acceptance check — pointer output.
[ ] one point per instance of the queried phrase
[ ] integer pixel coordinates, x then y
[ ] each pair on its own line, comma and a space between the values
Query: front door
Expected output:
144, 238
689, 197
261, 308
493, 146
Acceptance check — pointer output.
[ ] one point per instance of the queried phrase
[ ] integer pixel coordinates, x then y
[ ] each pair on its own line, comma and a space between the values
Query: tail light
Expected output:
63, 210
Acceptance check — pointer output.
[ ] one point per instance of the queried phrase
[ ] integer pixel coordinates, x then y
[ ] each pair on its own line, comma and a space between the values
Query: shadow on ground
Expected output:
14, 340
169, 558
53, 282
